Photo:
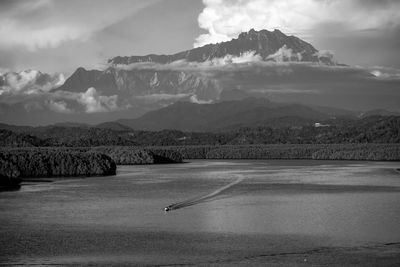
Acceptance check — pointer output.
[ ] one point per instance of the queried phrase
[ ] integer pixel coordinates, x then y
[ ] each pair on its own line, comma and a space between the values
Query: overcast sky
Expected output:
59, 36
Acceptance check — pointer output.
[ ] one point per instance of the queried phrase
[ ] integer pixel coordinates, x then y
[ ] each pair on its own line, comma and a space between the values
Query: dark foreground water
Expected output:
223, 213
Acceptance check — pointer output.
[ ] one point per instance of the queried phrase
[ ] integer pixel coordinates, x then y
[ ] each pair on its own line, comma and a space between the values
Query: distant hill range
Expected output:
249, 112
223, 116
373, 129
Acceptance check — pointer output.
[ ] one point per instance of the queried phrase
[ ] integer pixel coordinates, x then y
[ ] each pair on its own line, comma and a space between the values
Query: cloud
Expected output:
385, 73
152, 98
94, 103
64, 102
284, 54
171, 98
51, 36
195, 100
38, 24
183, 65
29, 82
225, 19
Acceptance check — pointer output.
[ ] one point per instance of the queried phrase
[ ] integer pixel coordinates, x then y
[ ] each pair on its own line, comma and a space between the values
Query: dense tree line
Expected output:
359, 152
136, 155
292, 151
35, 162
368, 130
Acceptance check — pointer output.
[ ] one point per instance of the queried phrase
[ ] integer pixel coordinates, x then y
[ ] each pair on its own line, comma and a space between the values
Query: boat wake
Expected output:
201, 199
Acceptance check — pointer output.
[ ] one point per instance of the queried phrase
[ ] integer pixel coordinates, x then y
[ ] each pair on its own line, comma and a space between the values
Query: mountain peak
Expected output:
265, 33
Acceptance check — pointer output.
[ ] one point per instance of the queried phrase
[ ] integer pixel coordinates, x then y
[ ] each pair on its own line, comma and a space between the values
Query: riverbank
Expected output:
370, 152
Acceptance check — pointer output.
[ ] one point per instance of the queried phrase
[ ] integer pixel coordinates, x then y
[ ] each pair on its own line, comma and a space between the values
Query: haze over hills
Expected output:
249, 112
259, 64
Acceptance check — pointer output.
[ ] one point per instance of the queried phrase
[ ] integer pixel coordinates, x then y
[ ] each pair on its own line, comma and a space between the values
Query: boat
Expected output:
166, 209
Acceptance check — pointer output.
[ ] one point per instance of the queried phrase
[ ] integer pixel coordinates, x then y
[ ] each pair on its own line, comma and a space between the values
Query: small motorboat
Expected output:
166, 209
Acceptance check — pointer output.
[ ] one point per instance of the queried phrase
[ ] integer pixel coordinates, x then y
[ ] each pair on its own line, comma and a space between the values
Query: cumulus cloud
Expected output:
93, 102
29, 82
285, 54
65, 102
225, 19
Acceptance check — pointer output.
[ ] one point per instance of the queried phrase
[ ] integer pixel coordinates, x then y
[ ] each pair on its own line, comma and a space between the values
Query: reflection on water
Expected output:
262, 205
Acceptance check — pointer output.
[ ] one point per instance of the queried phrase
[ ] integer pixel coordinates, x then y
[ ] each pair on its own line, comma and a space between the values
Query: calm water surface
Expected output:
235, 212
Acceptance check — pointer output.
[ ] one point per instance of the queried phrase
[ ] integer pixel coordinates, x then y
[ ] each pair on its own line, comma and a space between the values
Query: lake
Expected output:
223, 212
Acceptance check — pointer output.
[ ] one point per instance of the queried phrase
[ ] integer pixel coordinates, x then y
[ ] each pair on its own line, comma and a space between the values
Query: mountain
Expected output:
142, 83
120, 79
264, 43
249, 112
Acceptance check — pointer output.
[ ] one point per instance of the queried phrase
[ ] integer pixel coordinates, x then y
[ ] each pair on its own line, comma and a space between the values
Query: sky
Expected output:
60, 36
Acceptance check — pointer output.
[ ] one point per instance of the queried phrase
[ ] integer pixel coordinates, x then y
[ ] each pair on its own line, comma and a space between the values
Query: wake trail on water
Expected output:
200, 199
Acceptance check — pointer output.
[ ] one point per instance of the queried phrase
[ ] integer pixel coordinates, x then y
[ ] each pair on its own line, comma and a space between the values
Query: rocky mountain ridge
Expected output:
264, 43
